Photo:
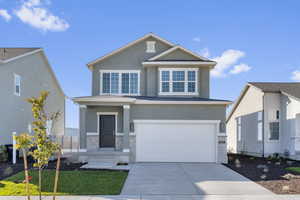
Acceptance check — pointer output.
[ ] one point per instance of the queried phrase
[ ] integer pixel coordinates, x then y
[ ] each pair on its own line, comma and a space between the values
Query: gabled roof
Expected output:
129, 45
291, 89
286, 88
178, 47
10, 54
7, 54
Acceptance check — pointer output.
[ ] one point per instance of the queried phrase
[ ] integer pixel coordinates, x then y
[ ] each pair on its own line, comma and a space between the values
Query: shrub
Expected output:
3, 154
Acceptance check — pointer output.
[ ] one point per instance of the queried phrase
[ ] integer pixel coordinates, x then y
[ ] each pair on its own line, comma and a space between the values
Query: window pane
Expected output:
274, 130
133, 83
191, 87
178, 86
114, 83
165, 75
106, 83
191, 75
125, 83
178, 76
165, 87
17, 89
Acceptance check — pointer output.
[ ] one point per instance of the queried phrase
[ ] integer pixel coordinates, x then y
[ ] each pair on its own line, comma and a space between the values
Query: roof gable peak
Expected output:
129, 45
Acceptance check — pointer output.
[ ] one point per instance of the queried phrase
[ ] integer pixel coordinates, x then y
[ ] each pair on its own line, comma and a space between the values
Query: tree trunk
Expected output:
40, 183
56, 174
26, 173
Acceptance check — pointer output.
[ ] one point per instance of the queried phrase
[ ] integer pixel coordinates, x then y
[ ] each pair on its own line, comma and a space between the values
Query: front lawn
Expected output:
294, 169
79, 182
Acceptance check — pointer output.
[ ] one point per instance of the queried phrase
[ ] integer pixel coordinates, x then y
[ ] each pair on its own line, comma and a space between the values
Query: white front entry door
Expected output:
176, 140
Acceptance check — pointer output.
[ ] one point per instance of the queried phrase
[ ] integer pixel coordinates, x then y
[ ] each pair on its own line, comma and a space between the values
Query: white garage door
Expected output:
175, 140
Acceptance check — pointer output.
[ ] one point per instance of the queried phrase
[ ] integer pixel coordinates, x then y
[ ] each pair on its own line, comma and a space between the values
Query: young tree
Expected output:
44, 146
24, 142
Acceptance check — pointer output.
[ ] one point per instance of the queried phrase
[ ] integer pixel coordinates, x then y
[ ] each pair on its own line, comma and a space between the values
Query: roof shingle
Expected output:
292, 89
8, 53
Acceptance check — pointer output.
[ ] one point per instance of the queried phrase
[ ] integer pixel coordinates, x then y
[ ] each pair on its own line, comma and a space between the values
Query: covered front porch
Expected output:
104, 128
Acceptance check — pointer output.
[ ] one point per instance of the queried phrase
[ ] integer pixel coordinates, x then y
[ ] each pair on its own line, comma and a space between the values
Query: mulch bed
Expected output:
8, 169
271, 174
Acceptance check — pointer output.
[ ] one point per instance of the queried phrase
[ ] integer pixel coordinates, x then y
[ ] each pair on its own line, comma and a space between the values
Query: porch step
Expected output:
104, 157
99, 165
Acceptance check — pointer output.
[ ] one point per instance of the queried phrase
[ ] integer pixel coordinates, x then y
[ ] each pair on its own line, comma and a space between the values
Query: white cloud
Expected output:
225, 61
33, 12
5, 15
204, 52
240, 68
197, 39
296, 75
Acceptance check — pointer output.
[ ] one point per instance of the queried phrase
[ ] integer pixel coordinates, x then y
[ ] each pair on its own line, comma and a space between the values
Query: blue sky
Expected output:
252, 40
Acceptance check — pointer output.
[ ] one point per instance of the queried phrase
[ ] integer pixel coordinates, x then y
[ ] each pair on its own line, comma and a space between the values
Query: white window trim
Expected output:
185, 81
150, 44
239, 129
120, 82
269, 131
259, 126
15, 84
269, 135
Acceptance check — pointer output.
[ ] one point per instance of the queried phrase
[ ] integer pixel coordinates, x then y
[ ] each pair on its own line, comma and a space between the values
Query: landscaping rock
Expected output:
285, 188
261, 166
289, 162
278, 163
266, 170
263, 176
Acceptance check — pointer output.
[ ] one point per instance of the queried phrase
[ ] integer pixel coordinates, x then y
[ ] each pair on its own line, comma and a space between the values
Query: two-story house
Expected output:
24, 73
151, 100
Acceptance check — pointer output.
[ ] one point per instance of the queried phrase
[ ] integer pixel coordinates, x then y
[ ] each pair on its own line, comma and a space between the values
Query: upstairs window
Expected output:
150, 47
178, 81
17, 85
119, 82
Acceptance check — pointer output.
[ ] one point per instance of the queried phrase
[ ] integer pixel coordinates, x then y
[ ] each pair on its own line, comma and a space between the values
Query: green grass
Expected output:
70, 183
293, 169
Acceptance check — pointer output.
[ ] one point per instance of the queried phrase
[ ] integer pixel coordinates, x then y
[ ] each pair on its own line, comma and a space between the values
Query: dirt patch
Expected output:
271, 174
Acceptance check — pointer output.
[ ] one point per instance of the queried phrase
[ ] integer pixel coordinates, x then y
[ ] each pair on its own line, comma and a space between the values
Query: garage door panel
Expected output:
175, 142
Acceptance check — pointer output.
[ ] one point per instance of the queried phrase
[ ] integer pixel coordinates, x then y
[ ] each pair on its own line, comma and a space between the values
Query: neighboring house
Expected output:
151, 101
24, 73
265, 120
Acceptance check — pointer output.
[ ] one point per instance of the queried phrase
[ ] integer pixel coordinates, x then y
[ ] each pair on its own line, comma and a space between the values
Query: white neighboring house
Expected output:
265, 120
24, 73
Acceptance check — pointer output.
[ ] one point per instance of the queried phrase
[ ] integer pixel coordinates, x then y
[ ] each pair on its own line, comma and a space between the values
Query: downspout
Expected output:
263, 125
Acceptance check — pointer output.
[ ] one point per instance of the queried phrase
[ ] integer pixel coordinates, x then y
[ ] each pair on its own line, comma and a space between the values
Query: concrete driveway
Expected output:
188, 179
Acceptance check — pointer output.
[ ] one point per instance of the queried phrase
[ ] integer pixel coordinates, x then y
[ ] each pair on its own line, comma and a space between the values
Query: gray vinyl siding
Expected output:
178, 55
178, 112
15, 111
156, 112
132, 58
92, 120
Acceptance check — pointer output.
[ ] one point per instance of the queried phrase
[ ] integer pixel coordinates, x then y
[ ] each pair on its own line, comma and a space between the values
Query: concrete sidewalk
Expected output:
164, 197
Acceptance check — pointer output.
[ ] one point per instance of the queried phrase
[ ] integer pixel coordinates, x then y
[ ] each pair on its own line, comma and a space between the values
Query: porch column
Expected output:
82, 128
126, 127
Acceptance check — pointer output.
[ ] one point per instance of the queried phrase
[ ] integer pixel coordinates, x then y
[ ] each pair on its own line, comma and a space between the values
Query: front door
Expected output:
107, 126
